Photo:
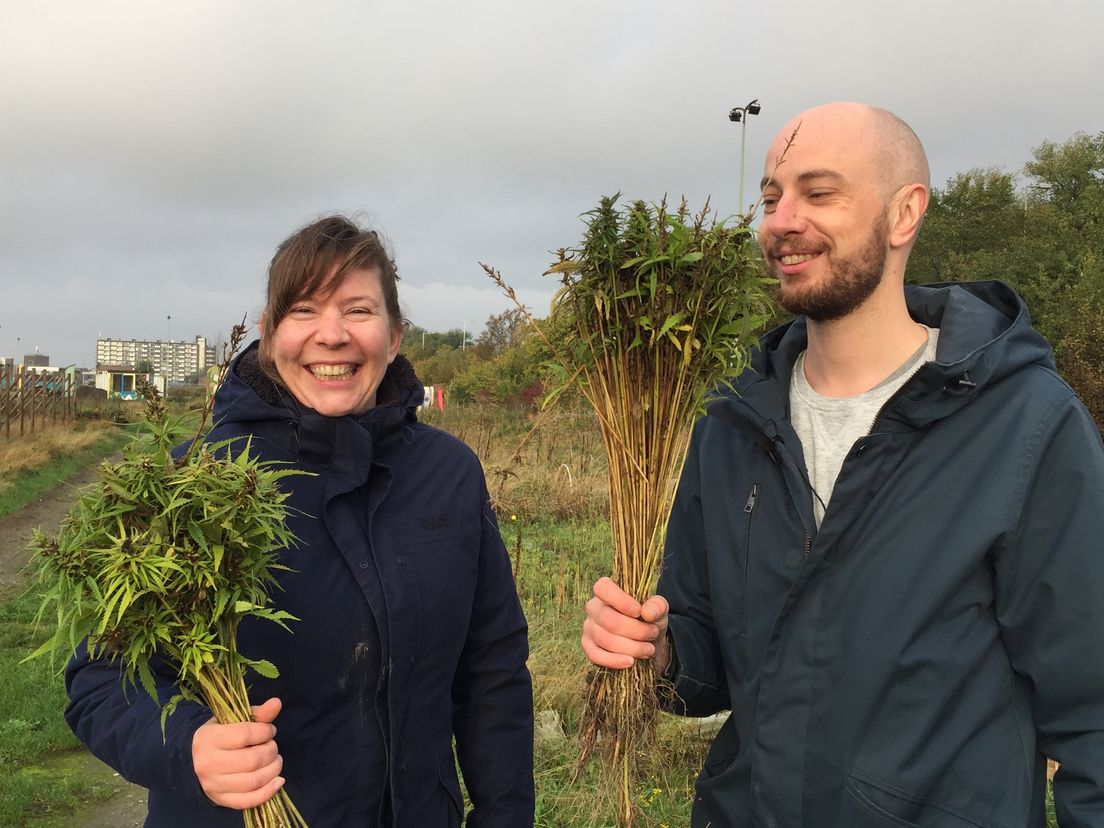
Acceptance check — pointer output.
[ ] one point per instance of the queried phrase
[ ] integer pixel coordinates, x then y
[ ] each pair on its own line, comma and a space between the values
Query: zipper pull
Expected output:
750, 505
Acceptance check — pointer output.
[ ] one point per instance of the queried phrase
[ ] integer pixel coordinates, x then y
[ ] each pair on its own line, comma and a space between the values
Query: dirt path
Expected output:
128, 806
46, 512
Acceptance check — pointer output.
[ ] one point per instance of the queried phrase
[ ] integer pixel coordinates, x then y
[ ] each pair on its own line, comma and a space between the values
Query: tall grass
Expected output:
552, 506
556, 470
36, 463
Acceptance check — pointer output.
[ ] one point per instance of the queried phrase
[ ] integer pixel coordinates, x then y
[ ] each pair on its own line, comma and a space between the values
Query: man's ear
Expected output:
906, 211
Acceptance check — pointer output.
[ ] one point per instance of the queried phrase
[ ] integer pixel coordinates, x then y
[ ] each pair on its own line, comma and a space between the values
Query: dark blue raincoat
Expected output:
410, 632
913, 660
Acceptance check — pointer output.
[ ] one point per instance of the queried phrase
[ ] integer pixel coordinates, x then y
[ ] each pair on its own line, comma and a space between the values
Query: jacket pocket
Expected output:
871, 803
444, 573
743, 559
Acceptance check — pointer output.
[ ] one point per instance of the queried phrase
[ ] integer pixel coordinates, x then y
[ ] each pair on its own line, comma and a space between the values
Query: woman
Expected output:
410, 630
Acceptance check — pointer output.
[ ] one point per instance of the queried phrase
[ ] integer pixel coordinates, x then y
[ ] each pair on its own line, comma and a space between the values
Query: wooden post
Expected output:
22, 398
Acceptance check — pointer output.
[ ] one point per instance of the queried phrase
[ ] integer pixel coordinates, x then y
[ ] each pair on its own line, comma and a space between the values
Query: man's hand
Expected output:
238, 765
618, 629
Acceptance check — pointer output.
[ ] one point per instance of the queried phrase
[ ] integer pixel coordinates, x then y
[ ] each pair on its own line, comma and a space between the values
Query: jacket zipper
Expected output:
749, 507
749, 510
893, 398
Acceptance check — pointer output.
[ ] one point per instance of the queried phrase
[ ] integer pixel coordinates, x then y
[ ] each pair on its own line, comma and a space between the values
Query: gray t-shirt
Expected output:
829, 426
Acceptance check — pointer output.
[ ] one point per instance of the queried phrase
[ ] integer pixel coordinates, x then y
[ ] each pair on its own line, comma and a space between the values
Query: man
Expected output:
886, 555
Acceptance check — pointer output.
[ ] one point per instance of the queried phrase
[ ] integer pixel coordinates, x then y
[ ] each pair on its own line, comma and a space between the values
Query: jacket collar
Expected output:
249, 401
985, 334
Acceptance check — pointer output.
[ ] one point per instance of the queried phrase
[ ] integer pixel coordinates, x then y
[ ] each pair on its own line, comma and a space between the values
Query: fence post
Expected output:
22, 399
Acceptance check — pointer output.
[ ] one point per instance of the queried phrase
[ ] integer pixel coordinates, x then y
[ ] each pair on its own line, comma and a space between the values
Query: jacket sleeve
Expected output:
1050, 604
493, 695
698, 674
121, 725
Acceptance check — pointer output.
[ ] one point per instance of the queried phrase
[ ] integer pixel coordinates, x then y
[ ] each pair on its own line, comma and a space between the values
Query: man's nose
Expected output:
786, 218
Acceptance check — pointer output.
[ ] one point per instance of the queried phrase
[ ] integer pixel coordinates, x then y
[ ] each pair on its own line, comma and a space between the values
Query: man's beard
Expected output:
850, 281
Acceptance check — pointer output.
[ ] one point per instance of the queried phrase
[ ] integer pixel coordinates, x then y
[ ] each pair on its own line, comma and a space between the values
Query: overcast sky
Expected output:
153, 154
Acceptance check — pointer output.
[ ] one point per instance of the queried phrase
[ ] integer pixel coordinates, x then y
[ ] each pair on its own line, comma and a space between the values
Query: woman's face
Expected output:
332, 352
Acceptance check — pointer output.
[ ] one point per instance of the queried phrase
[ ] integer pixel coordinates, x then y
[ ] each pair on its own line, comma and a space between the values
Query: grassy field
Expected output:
551, 501
32, 466
32, 729
31, 726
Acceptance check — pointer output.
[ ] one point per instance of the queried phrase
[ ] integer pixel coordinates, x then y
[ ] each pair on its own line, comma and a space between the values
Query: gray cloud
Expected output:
153, 155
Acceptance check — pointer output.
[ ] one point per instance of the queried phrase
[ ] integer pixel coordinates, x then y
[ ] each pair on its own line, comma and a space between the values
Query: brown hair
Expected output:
303, 264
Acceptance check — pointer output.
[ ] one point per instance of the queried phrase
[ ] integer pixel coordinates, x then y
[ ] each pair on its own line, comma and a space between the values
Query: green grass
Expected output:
559, 561
29, 485
32, 729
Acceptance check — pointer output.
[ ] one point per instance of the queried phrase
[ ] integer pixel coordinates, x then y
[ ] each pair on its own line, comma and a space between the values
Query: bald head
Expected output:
884, 143
846, 184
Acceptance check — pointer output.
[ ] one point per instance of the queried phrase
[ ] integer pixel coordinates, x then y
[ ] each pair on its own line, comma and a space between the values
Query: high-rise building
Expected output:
176, 361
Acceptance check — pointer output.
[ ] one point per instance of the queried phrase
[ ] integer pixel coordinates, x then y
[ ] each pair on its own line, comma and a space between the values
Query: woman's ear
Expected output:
396, 343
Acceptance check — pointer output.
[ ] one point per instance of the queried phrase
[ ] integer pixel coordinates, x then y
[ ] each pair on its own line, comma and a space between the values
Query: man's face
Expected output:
825, 222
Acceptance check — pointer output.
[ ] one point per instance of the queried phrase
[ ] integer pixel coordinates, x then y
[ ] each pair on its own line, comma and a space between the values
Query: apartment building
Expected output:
177, 361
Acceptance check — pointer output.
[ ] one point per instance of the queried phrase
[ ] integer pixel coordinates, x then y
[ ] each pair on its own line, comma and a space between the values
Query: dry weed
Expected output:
33, 451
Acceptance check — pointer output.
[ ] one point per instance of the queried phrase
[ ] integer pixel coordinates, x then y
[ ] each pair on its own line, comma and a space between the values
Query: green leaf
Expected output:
146, 677
265, 668
670, 322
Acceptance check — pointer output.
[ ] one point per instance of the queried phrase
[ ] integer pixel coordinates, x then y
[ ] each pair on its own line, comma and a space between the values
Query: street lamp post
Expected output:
169, 362
739, 115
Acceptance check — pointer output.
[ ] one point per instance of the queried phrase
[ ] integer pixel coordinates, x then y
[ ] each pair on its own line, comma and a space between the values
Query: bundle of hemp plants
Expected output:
656, 309
161, 559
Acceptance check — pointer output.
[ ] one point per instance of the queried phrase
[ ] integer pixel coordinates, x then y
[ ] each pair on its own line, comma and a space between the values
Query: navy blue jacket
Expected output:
914, 660
401, 566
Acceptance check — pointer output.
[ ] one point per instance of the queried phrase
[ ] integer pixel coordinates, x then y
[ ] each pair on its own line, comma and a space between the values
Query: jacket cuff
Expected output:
180, 728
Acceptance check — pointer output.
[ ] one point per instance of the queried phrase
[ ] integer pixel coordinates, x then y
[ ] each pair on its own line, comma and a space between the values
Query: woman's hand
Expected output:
238, 765
618, 629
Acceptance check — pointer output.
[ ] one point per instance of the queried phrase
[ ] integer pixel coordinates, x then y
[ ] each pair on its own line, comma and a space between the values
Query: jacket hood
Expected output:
250, 396
985, 334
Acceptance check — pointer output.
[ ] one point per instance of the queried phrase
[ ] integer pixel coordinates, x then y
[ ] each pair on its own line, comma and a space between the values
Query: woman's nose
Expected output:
331, 330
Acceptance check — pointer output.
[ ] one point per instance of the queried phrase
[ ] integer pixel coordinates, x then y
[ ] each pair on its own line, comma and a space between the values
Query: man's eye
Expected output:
769, 203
